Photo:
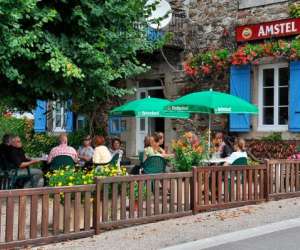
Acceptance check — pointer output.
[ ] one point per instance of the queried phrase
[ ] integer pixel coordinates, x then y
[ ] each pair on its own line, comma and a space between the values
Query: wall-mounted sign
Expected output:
284, 27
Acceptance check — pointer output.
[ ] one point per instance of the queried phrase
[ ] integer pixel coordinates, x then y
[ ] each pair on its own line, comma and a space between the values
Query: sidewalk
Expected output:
172, 232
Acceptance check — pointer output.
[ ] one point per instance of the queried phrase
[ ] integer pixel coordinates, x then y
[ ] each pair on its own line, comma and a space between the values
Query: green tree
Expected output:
79, 49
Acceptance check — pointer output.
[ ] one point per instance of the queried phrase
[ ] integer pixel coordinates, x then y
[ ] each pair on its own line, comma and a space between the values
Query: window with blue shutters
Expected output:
62, 116
40, 120
294, 95
240, 85
115, 125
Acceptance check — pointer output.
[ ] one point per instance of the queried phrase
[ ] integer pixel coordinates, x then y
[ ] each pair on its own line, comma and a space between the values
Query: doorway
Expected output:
147, 126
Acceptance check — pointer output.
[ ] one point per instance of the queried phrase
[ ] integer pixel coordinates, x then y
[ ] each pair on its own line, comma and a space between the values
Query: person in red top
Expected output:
63, 149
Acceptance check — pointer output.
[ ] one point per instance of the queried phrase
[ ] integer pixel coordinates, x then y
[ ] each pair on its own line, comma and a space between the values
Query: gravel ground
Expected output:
185, 229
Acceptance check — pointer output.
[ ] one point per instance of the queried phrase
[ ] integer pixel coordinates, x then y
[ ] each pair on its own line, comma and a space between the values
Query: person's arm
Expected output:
50, 157
28, 163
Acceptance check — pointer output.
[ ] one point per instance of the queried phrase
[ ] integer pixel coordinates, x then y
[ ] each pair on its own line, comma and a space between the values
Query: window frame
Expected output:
245, 4
275, 126
63, 111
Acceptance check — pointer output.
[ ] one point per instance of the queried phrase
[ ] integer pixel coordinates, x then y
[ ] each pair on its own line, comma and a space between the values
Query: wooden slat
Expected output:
250, 184
277, 179
297, 176
33, 217
261, 184
225, 186
164, 197
179, 195
123, 201
287, 177
220, 184
114, 202
213, 187
9, 219
148, 198
200, 190
187, 194
97, 206
77, 214
282, 173
105, 203
206, 187
131, 199
172, 196
56, 212
67, 213
140, 198
232, 181
87, 210
292, 178
45, 215
22, 217
238, 185
255, 184
245, 177
156, 197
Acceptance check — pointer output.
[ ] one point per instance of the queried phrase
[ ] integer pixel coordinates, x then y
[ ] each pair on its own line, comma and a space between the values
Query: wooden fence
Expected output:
230, 186
284, 178
44, 215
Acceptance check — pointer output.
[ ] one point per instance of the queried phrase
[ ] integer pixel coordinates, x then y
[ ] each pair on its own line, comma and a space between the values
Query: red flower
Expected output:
189, 70
206, 69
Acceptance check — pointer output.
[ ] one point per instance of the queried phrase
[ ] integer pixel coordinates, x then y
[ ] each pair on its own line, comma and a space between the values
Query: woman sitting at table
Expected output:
222, 150
240, 152
154, 149
86, 152
116, 149
101, 153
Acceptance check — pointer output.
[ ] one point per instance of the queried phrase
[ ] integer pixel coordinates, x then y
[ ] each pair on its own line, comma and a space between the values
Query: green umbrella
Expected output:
212, 102
148, 107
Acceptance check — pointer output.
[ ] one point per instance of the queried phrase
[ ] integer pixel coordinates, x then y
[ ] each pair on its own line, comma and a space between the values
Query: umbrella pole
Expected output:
209, 131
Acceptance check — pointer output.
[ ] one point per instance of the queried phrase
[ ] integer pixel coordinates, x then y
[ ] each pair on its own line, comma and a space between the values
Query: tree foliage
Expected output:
79, 49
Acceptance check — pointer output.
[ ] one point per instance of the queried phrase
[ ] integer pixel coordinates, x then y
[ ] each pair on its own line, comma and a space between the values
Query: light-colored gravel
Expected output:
176, 231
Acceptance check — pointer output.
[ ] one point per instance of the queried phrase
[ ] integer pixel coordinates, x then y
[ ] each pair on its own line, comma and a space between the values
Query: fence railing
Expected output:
284, 178
223, 187
44, 215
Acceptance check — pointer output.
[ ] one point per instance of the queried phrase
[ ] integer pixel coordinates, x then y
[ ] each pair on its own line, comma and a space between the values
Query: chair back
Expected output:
114, 159
240, 161
154, 165
141, 156
61, 161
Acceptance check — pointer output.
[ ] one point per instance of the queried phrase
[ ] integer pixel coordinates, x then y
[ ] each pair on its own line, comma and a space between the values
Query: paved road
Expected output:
275, 236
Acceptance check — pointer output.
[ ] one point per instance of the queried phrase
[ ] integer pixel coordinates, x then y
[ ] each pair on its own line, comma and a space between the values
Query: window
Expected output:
81, 122
59, 116
243, 4
273, 97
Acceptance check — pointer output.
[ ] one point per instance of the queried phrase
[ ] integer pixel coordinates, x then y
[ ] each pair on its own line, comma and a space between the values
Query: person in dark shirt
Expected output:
16, 156
4, 148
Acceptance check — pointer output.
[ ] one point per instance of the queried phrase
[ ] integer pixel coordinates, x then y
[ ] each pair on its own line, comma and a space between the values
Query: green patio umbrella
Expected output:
212, 102
148, 107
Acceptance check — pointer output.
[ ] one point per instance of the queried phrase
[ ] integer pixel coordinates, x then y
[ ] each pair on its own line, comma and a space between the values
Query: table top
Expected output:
215, 160
39, 158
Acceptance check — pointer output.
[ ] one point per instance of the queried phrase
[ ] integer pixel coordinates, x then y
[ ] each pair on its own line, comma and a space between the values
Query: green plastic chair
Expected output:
141, 157
154, 165
114, 160
61, 161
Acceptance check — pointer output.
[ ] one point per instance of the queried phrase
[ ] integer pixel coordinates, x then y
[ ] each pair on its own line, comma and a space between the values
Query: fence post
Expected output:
97, 206
267, 180
193, 190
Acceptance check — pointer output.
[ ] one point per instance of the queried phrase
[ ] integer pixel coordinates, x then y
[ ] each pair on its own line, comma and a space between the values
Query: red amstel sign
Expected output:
284, 27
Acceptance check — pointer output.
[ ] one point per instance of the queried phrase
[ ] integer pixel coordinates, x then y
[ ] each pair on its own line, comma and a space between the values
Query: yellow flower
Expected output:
70, 184
59, 184
71, 178
85, 182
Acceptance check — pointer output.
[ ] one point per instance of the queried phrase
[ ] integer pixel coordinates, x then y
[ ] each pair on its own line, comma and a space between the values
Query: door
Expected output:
141, 124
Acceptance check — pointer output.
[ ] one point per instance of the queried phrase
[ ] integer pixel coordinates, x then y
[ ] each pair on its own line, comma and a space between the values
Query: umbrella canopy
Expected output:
148, 107
212, 102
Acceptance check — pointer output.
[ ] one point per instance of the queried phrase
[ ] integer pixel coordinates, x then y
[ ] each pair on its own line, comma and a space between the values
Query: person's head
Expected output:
6, 139
161, 138
115, 143
16, 141
147, 141
219, 138
240, 145
87, 141
99, 140
154, 140
63, 139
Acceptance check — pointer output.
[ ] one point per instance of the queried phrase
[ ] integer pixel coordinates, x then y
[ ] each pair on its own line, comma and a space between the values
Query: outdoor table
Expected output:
215, 160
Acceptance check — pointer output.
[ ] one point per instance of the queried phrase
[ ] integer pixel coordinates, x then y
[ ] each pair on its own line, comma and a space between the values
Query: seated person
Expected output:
154, 149
4, 148
240, 151
62, 149
17, 157
116, 149
222, 150
101, 152
86, 152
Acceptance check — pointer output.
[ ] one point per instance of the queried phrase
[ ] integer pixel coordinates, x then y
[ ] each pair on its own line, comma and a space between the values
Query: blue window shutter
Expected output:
294, 97
240, 85
39, 113
114, 125
70, 116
